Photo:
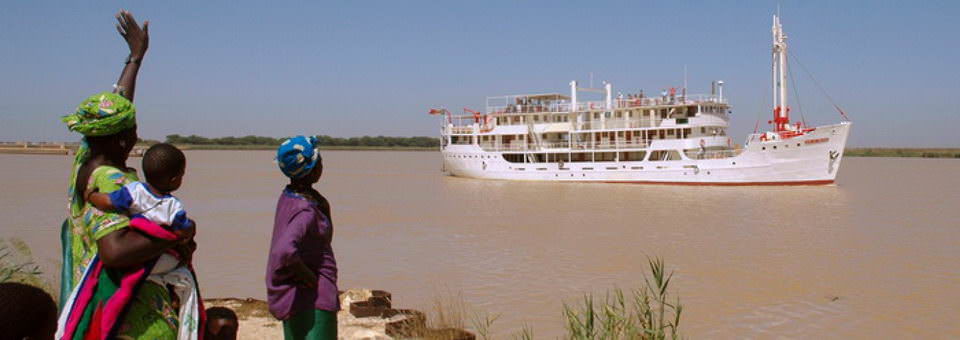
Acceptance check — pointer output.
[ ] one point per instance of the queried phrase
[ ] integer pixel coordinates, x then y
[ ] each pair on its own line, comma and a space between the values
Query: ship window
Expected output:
632, 156
581, 157
774, 147
513, 157
664, 155
605, 156
703, 129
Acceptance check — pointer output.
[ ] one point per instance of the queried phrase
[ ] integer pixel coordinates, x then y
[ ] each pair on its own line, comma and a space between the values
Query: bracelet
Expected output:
130, 59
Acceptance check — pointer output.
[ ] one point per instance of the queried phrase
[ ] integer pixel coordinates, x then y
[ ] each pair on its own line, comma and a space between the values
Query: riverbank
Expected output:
322, 147
904, 152
68, 148
364, 314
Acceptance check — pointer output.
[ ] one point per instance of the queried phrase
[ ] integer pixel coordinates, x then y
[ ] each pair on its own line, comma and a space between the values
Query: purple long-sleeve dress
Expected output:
301, 231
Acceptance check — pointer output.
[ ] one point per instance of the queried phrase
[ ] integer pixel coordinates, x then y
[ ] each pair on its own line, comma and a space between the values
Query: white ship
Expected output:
670, 138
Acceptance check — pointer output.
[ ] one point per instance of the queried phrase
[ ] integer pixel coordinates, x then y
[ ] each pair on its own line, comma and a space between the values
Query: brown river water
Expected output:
875, 256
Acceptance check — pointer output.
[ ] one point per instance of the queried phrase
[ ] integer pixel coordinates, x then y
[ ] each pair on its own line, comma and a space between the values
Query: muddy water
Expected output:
877, 255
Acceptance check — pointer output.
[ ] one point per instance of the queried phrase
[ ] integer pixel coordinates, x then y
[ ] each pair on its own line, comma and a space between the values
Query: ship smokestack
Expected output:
720, 90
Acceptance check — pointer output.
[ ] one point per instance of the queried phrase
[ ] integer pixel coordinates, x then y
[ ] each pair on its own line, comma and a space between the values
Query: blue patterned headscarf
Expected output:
297, 156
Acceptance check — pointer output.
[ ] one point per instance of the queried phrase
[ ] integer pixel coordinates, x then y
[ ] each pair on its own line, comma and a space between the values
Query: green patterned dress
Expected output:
151, 314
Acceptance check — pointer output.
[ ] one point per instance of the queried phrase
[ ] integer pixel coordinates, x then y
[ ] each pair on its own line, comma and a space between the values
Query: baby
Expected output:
163, 167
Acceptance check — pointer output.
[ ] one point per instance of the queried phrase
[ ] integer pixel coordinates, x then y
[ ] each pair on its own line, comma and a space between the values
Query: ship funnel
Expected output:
720, 90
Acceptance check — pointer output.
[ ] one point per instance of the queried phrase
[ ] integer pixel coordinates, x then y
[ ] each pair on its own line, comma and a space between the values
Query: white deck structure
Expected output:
671, 138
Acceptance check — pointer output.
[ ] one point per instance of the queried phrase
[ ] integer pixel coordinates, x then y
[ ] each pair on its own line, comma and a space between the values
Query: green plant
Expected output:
15, 263
649, 315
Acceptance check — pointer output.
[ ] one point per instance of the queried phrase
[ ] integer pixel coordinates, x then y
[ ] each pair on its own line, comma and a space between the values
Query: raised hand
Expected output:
138, 39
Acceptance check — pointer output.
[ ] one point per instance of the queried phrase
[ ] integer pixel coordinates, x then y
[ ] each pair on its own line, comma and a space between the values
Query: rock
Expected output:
404, 322
351, 295
364, 309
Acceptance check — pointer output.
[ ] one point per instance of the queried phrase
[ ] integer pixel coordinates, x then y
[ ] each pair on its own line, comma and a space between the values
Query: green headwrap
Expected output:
102, 115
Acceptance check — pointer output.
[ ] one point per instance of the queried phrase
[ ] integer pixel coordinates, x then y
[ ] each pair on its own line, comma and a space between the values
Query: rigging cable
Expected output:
793, 81
815, 82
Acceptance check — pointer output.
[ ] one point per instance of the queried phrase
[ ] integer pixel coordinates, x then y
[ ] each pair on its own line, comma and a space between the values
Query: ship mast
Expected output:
781, 112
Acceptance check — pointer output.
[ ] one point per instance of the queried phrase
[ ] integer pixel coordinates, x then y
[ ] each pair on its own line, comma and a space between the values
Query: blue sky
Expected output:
350, 68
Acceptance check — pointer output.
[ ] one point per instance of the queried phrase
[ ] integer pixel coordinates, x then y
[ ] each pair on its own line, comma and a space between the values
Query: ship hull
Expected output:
810, 159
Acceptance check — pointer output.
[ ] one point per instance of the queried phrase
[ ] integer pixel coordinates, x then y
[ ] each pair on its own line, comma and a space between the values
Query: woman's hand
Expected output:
186, 234
185, 250
138, 39
303, 276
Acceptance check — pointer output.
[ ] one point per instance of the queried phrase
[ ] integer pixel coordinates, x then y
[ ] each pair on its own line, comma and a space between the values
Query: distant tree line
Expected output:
324, 140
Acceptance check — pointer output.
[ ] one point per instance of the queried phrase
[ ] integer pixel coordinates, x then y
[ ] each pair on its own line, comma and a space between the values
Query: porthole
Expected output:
774, 147
764, 148
798, 145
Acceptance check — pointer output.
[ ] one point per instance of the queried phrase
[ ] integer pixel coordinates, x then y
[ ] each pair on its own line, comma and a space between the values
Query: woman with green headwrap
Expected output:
107, 122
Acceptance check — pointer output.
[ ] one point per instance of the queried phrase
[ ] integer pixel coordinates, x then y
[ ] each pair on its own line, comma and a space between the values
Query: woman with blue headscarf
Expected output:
301, 270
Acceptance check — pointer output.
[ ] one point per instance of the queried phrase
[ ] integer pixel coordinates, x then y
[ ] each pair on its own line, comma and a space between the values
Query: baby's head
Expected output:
26, 312
163, 166
222, 324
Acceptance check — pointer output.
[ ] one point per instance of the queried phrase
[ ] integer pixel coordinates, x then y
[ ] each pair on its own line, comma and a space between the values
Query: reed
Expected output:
17, 265
525, 333
649, 313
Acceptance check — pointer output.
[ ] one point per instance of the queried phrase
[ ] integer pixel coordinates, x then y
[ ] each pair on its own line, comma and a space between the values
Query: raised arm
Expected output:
138, 39
101, 201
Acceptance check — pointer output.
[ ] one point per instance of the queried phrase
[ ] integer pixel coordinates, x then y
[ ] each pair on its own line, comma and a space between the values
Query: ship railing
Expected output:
634, 144
712, 154
514, 109
585, 145
461, 129
627, 102
617, 124
509, 147
601, 105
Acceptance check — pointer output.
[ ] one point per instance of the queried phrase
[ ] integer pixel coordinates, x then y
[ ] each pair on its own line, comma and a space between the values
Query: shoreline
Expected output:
68, 148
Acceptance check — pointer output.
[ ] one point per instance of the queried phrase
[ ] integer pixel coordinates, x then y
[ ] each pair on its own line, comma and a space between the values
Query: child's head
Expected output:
26, 312
299, 159
163, 166
222, 324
